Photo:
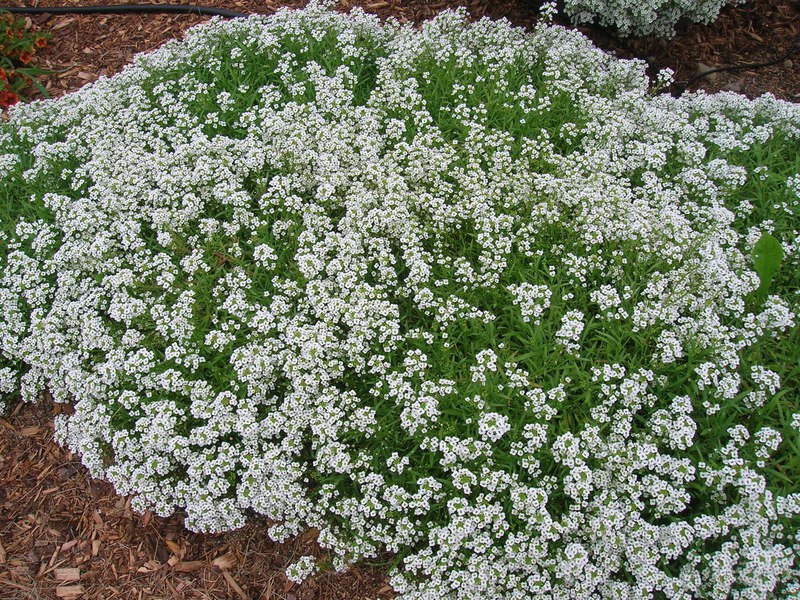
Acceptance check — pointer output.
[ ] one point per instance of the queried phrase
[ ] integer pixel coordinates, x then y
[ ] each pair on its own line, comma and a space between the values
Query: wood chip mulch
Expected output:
65, 535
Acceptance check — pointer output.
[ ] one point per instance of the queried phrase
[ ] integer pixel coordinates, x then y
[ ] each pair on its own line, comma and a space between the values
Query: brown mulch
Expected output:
65, 535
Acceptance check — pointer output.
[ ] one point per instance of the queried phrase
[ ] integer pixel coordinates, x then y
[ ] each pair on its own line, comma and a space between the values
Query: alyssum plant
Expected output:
645, 17
465, 294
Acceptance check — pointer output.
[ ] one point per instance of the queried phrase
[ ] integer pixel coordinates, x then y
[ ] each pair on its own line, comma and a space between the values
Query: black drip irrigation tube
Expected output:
677, 88
681, 87
120, 9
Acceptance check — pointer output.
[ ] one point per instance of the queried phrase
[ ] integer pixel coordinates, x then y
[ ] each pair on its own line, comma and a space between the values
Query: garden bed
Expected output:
746, 155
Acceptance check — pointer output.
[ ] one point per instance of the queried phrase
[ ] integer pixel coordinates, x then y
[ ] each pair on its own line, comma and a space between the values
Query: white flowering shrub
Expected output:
465, 294
644, 17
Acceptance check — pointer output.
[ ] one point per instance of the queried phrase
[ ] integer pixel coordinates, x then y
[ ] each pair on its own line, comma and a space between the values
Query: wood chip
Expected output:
309, 536
95, 547
69, 591
67, 545
2, 554
64, 23
189, 566
67, 574
232, 582
226, 561
176, 549
98, 520
289, 585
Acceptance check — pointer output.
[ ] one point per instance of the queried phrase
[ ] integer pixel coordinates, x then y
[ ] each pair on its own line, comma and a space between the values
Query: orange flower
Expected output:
41, 42
25, 57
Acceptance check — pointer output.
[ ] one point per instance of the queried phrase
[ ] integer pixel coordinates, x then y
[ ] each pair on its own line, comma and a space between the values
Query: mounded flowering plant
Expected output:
645, 17
468, 295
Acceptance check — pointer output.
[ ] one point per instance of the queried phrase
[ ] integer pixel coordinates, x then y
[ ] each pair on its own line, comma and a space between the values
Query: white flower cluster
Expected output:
644, 17
532, 300
466, 294
301, 569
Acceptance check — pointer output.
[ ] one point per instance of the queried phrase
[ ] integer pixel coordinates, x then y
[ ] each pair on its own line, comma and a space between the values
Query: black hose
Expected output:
125, 9
683, 86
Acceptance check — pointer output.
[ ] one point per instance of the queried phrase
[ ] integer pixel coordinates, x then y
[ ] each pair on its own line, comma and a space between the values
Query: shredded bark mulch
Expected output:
65, 535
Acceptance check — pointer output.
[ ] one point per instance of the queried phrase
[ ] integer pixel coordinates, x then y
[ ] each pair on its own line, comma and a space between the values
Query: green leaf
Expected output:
767, 258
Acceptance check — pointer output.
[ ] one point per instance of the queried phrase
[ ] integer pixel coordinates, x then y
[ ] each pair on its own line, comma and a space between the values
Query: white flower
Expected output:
492, 426
301, 569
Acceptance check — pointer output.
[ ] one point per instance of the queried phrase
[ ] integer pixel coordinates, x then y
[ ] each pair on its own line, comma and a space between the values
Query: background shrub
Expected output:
644, 17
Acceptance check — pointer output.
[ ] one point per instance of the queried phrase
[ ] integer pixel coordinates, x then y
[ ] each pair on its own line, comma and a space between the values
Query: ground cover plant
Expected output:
644, 17
473, 296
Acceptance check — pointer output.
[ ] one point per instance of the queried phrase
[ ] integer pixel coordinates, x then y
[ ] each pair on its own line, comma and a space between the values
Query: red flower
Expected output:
25, 57
7, 98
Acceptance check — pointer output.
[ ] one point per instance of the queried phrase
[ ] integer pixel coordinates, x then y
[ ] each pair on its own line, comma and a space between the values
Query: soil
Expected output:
66, 535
